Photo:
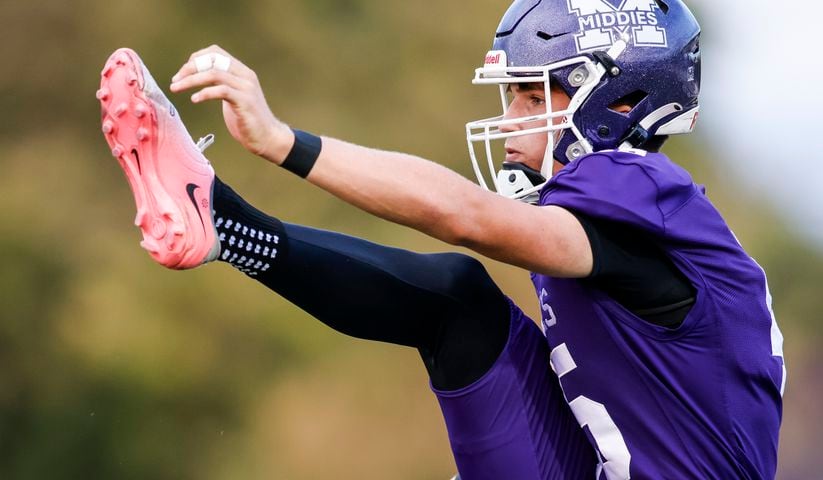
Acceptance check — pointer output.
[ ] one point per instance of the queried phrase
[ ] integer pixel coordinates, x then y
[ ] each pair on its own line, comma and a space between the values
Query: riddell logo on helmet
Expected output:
495, 58
601, 23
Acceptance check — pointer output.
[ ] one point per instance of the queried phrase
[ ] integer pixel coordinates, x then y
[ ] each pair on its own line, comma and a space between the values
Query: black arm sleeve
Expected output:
635, 272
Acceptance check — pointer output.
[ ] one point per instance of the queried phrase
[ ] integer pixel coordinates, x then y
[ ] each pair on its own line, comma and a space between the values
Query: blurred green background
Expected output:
114, 368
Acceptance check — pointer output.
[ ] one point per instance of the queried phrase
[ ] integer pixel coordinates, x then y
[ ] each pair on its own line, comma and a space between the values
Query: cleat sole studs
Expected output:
140, 217
142, 134
158, 228
102, 94
139, 111
121, 109
149, 248
108, 127
117, 151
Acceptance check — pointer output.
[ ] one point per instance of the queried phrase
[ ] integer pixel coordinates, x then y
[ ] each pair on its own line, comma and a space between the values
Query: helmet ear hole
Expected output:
626, 103
663, 6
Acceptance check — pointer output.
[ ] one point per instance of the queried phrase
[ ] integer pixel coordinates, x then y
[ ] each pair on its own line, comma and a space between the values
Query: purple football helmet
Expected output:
602, 53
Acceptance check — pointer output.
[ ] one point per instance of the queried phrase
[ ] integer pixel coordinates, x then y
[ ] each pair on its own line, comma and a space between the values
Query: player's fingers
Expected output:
209, 49
200, 63
209, 77
216, 92
211, 58
190, 67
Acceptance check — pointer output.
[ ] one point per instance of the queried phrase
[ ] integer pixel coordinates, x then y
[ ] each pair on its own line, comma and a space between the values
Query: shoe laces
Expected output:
205, 142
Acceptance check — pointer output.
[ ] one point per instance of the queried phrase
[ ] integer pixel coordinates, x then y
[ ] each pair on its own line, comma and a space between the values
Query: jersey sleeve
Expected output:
640, 191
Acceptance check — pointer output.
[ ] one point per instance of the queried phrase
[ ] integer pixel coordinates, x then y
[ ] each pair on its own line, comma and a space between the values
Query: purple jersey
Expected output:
703, 400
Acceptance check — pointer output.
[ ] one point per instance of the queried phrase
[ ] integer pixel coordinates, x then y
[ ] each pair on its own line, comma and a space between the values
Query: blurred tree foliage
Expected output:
113, 368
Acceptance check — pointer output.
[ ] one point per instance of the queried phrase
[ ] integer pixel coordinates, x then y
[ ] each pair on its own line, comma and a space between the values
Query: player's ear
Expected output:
628, 102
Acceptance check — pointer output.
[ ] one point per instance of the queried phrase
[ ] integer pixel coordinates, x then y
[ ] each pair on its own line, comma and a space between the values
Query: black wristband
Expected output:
303, 154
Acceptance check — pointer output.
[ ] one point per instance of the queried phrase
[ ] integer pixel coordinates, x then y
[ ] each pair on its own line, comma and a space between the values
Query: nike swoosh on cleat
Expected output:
190, 188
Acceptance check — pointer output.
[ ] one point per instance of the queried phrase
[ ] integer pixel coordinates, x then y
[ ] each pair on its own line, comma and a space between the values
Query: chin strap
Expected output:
638, 135
636, 138
534, 176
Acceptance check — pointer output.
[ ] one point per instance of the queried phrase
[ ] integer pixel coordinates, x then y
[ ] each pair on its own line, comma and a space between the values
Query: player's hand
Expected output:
245, 111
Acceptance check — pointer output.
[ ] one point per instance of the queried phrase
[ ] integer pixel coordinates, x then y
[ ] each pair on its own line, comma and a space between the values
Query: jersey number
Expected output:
614, 454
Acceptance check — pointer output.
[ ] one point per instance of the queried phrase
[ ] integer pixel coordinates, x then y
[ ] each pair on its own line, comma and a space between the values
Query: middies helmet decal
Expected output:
601, 53
601, 23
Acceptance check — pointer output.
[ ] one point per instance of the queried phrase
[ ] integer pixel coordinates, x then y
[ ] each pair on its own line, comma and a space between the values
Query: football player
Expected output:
659, 355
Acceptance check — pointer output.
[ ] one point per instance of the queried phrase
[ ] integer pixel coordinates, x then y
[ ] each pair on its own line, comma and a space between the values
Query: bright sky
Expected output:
761, 105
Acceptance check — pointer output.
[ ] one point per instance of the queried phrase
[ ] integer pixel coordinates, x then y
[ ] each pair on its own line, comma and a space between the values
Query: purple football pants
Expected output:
513, 423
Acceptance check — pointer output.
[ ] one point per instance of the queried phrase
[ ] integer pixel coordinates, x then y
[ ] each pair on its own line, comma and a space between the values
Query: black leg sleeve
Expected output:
445, 305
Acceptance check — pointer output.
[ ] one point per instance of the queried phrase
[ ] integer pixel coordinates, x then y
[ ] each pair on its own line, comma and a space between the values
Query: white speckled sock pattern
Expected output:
250, 240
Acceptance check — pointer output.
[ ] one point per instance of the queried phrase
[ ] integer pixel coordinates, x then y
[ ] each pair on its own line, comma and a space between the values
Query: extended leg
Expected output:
445, 305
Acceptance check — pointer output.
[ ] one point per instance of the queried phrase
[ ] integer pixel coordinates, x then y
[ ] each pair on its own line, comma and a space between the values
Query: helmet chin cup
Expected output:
518, 181
516, 184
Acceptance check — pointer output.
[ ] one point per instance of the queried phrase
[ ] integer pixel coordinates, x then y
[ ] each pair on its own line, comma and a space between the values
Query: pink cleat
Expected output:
170, 178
